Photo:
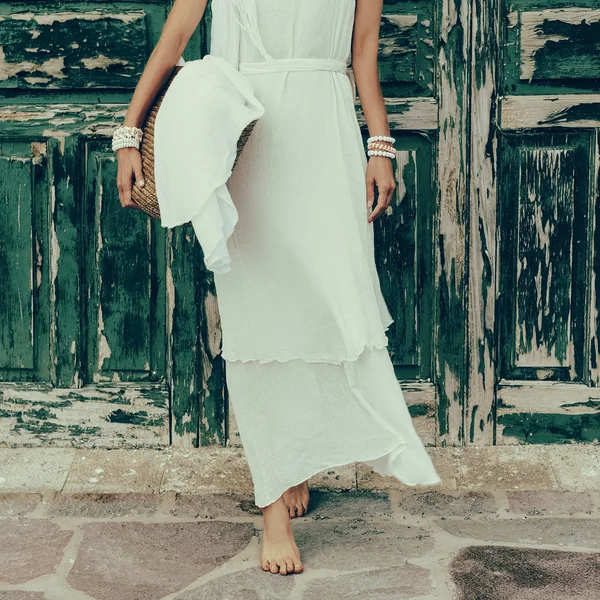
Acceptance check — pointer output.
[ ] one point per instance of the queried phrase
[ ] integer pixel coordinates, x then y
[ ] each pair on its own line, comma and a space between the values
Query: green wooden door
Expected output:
108, 323
548, 177
488, 255
109, 328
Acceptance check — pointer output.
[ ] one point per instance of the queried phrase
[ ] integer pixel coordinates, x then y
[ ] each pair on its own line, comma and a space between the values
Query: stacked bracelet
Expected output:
126, 137
381, 138
381, 153
381, 145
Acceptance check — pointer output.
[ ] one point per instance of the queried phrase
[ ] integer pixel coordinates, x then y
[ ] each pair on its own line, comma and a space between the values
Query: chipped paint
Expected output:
566, 110
536, 32
63, 17
544, 224
39, 415
53, 67
102, 62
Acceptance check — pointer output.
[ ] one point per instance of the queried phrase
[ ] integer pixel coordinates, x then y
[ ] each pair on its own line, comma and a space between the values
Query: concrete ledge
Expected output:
212, 470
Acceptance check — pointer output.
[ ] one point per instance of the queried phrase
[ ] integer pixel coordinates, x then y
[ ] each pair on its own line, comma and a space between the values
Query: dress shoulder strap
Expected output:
229, 18
246, 15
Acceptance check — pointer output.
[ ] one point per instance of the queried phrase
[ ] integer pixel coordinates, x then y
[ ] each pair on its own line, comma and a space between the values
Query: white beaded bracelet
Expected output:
381, 138
381, 153
127, 137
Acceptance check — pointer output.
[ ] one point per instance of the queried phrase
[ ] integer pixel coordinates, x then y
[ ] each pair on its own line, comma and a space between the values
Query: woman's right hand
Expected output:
129, 170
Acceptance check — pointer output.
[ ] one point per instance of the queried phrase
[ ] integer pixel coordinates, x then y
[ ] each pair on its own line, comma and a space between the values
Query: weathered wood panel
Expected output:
122, 317
482, 252
405, 260
566, 110
594, 266
24, 261
77, 48
449, 234
547, 45
545, 244
65, 276
545, 412
16, 258
406, 50
104, 416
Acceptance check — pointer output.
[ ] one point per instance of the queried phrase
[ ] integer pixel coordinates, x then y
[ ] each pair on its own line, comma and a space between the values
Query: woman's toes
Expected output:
292, 512
298, 567
274, 567
283, 570
265, 565
289, 564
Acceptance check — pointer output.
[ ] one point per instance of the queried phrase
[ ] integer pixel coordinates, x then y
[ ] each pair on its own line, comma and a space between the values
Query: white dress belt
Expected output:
282, 65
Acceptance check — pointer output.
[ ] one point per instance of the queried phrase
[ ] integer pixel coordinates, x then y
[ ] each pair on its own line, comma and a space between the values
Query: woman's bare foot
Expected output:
280, 554
296, 499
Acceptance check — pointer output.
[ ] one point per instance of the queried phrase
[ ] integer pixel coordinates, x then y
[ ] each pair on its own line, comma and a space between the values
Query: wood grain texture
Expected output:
545, 250
565, 110
482, 251
77, 48
404, 259
453, 81
551, 47
95, 416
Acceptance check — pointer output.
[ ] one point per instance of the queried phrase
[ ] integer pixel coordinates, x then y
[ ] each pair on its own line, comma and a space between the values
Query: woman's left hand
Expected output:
381, 174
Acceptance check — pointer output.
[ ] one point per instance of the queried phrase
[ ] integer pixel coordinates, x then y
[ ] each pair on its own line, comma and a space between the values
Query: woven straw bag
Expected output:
145, 196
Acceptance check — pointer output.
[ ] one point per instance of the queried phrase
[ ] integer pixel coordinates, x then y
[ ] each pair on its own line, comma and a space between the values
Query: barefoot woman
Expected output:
303, 319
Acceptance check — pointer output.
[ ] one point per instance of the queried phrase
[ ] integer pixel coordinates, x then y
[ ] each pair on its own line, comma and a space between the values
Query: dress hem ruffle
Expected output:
403, 445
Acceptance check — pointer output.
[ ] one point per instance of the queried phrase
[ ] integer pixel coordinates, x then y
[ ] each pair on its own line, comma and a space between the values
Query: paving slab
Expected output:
116, 471
249, 584
208, 470
443, 460
549, 502
15, 504
146, 561
357, 544
454, 504
34, 469
567, 531
21, 595
336, 479
103, 506
504, 468
576, 467
354, 505
400, 582
211, 506
30, 549
504, 573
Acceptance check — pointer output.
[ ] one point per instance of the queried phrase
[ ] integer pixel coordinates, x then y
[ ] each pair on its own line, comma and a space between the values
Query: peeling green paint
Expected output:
419, 410
550, 428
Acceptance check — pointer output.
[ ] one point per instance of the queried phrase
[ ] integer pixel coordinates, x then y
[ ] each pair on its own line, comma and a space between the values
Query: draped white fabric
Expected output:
205, 109
303, 318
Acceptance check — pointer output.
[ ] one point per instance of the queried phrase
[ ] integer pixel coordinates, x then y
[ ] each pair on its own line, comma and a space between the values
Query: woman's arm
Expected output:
179, 27
365, 47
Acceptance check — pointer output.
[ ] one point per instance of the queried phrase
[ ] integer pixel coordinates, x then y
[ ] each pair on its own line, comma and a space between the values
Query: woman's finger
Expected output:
378, 210
370, 191
137, 170
126, 191
390, 195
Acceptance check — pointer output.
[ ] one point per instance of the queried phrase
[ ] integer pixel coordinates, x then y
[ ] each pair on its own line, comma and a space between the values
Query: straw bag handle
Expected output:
145, 196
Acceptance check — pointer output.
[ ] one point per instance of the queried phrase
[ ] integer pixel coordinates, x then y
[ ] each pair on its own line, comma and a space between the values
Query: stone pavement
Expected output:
511, 534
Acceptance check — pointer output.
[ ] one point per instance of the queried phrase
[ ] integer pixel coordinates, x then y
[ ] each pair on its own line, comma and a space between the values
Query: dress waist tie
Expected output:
282, 65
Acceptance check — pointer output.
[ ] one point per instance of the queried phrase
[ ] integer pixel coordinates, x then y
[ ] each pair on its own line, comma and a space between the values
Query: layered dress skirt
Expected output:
303, 319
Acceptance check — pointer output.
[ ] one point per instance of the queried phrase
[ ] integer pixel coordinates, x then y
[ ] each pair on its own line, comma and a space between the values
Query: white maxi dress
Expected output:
303, 319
